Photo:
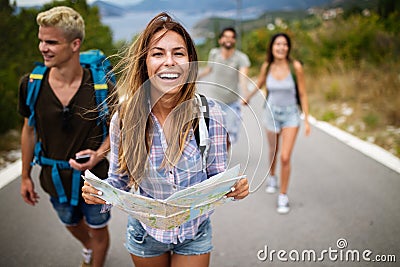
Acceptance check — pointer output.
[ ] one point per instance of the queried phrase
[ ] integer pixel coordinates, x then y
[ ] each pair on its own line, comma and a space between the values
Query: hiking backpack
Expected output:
100, 68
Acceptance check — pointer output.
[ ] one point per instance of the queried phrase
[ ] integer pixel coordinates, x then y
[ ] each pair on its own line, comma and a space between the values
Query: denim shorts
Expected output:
72, 215
232, 119
278, 117
141, 244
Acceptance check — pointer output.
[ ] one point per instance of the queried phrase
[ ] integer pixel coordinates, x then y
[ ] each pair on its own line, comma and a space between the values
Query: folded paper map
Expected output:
180, 207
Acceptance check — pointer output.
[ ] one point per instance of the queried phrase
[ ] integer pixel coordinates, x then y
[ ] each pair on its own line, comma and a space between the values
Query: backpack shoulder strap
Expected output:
205, 110
100, 68
266, 75
201, 127
293, 72
33, 88
204, 115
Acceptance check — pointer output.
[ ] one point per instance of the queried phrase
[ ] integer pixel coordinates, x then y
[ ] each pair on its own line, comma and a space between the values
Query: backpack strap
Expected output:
101, 90
33, 88
293, 72
58, 165
96, 61
266, 75
202, 129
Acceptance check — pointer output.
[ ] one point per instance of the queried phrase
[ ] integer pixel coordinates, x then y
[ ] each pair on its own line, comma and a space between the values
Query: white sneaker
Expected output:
272, 184
283, 204
87, 257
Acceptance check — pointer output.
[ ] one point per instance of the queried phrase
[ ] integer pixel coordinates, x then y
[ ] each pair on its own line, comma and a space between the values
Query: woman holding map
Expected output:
154, 151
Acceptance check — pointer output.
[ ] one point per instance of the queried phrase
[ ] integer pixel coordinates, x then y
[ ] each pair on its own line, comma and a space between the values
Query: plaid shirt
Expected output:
165, 181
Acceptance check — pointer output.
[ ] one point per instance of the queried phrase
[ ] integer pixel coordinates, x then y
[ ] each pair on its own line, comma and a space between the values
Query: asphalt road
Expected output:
343, 204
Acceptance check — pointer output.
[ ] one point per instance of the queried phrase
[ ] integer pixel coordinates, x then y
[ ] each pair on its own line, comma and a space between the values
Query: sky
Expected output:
40, 2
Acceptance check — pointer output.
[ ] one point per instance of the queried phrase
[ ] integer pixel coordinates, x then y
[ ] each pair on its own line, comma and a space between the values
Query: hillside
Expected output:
212, 5
299, 11
207, 26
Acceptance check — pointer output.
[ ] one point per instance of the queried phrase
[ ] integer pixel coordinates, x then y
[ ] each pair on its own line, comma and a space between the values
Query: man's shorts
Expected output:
141, 244
278, 117
72, 215
232, 119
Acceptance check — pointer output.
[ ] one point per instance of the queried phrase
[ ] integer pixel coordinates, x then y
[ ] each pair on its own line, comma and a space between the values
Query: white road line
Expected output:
371, 150
10, 173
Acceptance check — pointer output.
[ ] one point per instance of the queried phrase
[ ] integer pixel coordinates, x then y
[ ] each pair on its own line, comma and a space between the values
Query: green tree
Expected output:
387, 7
9, 68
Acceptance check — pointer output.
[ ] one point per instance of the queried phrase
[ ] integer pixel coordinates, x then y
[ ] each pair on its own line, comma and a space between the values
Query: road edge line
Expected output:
371, 150
10, 173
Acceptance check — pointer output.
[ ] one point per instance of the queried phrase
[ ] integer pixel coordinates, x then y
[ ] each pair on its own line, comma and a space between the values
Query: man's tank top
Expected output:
281, 92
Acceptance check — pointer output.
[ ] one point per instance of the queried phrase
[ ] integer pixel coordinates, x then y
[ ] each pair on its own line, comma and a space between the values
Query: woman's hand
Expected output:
307, 128
89, 194
240, 190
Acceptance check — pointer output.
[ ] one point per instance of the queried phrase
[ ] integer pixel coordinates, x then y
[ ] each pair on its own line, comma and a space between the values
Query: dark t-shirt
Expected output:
64, 131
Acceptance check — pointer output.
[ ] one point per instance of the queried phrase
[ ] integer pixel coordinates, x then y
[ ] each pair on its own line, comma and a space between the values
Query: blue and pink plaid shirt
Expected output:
165, 181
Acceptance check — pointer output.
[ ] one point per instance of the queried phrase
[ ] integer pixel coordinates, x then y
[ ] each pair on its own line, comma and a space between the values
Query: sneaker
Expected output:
272, 184
283, 204
87, 257
84, 264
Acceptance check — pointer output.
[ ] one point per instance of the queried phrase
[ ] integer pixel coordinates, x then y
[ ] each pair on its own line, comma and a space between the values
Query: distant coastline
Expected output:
125, 27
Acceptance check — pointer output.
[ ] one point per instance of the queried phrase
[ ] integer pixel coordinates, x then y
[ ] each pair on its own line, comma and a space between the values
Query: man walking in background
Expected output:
227, 70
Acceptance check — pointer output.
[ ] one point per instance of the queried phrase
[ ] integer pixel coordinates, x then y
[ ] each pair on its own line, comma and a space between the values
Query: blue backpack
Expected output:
100, 68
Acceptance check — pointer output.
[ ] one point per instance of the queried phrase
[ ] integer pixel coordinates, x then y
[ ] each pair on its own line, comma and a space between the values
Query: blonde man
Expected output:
66, 131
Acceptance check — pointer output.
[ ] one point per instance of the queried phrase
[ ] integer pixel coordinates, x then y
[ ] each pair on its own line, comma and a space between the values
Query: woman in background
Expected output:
286, 94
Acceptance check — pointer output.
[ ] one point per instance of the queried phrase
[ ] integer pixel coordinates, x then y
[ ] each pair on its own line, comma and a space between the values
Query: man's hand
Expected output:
93, 160
28, 191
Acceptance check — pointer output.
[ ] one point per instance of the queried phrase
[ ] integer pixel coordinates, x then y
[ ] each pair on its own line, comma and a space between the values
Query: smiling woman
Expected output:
167, 64
154, 151
167, 50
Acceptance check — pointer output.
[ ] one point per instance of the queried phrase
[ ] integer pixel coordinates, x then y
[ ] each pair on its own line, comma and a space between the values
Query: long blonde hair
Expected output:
134, 114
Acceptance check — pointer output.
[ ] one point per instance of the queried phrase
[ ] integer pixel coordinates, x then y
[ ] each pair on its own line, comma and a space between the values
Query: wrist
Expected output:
26, 177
